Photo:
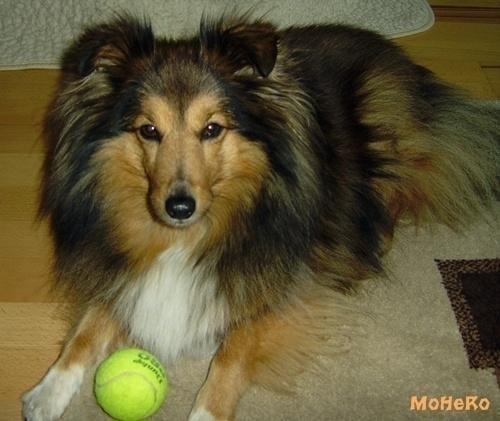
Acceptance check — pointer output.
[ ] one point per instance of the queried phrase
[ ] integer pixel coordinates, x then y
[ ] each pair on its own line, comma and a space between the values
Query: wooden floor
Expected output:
464, 53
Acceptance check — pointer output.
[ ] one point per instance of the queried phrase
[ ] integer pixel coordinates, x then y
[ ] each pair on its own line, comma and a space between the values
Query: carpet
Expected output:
406, 360
33, 34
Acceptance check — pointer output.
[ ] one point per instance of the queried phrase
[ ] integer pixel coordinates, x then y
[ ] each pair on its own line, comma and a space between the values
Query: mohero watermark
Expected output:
449, 403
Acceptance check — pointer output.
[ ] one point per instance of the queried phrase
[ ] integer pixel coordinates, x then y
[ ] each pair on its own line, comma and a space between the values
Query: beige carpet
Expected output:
411, 346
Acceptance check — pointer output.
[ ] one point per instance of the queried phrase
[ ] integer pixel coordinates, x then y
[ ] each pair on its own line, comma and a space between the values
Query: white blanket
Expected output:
34, 33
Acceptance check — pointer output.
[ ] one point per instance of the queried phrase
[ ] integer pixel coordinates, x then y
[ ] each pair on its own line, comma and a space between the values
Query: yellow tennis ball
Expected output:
130, 385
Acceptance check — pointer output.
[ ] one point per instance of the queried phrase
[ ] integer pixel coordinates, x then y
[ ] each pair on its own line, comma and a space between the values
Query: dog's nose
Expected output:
180, 206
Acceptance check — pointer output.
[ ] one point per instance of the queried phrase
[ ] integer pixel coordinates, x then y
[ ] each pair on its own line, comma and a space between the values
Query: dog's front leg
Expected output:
244, 357
90, 341
228, 377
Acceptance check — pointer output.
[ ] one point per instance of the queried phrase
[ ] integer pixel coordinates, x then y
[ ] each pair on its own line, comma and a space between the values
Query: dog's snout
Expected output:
180, 207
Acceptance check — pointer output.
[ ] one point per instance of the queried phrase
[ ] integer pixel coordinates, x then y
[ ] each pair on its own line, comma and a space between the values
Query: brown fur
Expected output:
273, 350
95, 334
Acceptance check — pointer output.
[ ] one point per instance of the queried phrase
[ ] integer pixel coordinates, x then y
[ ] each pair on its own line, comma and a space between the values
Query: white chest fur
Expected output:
173, 309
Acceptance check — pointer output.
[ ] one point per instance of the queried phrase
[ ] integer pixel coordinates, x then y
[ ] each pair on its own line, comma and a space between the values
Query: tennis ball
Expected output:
130, 385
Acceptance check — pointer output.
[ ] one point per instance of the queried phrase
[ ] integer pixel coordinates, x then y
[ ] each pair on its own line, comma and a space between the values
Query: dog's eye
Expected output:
149, 132
212, 131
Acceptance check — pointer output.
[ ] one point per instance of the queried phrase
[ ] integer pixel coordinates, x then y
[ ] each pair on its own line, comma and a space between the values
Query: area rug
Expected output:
33, 34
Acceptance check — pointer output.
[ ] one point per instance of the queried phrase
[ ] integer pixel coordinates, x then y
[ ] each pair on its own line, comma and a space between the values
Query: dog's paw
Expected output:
49, 398
201, 414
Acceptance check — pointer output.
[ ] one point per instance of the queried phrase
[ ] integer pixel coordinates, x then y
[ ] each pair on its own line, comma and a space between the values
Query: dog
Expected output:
210, 195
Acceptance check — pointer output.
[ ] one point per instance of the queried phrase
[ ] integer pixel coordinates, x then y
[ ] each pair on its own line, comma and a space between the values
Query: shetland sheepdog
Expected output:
213, 195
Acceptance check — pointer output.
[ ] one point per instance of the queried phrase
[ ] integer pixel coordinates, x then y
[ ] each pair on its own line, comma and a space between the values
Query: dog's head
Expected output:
154, 137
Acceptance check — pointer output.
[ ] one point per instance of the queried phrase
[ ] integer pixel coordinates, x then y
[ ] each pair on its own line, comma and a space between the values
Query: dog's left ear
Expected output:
233, 46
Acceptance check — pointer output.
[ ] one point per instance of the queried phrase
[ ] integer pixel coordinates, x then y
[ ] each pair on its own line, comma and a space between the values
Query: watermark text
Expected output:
449, 403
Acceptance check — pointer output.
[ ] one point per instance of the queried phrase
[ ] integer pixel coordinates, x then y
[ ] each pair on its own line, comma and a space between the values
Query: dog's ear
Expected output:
110, 45
232, 45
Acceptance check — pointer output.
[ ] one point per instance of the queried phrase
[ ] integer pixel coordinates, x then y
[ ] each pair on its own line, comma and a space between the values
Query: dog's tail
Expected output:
448, 169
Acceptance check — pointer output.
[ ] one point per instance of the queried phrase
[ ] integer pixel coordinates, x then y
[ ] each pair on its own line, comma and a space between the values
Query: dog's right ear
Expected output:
111, 45
232, 44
